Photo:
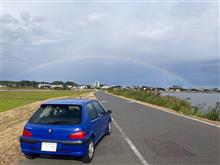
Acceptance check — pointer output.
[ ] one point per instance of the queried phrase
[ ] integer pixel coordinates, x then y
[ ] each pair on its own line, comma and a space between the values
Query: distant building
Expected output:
56, 86
44, 86
47, 86
106, 86
71, 86
176, 88
2, 86
95, 85
82, 87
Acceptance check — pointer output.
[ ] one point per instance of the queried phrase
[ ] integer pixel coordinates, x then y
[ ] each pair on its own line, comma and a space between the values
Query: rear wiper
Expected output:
59, 122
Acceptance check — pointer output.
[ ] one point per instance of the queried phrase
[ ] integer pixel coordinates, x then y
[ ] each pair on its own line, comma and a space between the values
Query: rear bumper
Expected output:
76, 148
31, 141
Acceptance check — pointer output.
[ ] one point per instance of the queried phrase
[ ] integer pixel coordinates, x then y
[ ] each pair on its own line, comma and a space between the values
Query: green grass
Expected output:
171, 102
12, 99
213, 114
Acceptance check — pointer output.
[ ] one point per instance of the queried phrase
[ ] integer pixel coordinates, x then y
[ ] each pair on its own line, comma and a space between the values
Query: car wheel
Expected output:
30, 156
109, 128
90, 153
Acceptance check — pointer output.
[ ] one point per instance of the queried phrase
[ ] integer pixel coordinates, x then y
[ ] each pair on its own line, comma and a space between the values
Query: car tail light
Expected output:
78, 135
27, 133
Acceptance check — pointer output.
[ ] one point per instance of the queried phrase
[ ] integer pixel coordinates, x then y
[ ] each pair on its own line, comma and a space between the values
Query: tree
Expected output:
57, 83
71, 83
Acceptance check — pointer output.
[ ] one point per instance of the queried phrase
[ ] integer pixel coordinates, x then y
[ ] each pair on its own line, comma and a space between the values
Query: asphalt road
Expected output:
142, 135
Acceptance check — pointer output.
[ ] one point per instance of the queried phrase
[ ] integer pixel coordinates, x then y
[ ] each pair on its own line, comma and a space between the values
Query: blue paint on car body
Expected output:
65, 127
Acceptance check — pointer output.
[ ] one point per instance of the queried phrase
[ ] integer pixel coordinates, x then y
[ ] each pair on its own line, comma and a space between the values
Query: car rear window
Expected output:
57, 114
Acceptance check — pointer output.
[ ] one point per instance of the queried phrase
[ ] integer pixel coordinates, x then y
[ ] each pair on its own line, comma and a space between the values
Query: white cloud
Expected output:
27, 31
154, 34
91, 18
95, 17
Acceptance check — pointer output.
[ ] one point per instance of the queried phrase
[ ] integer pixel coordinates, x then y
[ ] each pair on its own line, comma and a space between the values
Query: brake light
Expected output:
78, 135
27, 133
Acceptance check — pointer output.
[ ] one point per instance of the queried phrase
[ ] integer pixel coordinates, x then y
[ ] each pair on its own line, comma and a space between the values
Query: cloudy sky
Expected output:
151, 43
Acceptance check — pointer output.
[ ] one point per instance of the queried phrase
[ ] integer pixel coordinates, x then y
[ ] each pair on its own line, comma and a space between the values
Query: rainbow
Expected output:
75, 58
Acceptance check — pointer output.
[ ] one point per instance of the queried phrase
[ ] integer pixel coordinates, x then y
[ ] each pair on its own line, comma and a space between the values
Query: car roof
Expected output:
69, 101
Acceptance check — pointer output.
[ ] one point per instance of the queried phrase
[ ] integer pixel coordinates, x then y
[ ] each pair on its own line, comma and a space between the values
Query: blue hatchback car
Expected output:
66, 127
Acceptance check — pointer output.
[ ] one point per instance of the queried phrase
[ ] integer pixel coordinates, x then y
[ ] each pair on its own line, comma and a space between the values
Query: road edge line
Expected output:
131, 145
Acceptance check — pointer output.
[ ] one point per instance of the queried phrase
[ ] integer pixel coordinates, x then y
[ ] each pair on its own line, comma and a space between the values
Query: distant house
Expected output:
56, 86
106, 86
82, 87
44, 86
69, 86
2, 86
176, 88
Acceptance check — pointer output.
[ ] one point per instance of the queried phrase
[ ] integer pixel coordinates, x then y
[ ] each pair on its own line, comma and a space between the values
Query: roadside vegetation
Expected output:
171, 102
12, 99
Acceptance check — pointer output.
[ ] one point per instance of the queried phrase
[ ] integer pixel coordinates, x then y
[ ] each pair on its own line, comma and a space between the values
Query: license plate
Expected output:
51, 147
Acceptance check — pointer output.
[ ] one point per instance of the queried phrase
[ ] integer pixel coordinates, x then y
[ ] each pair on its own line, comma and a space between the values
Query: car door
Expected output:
101, 116
94, 120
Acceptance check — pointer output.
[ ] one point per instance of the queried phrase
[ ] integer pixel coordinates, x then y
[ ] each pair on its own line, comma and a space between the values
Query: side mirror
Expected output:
108, 111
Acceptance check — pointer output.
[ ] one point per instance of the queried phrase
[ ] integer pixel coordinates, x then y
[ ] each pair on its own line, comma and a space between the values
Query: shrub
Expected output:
213, 114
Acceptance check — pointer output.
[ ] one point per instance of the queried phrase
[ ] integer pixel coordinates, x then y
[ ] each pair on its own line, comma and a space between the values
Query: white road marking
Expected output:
188, 117
132, 146
104, 101
130, 101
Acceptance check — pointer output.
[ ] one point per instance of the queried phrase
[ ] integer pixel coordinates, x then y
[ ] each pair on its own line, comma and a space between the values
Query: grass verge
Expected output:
12, 99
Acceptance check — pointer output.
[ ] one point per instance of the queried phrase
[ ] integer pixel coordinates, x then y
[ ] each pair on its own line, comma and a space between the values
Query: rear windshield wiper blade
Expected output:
59, 122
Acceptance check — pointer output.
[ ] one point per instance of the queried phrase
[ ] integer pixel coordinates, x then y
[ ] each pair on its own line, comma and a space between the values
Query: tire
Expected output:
90, 153
109, 129
30, 156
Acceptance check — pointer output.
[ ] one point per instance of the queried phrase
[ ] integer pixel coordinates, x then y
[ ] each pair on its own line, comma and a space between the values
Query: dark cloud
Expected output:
9, 19
200, 72
26, 31
38, 19
25, 17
